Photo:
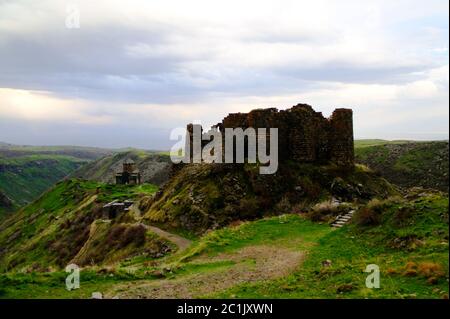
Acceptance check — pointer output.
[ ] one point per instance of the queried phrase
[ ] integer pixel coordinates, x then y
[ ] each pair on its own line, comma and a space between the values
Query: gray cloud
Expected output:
159, 54
94, 62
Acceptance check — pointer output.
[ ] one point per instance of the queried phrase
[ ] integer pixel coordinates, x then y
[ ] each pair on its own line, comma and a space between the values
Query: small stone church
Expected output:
129, 174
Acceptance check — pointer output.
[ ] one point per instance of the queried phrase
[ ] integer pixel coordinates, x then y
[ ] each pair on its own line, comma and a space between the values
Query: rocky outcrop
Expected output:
207, 196
5, 201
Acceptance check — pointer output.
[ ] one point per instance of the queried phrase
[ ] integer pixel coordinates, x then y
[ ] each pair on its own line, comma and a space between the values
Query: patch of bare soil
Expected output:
252, 264
181, 242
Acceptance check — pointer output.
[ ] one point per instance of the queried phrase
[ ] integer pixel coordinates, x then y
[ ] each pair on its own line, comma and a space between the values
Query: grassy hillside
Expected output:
286, 256
81, 152
28, 171
204, 196
6, 204
375, 142
225, 231
409, 243
409, 164
66, 223
24, 178
154, 167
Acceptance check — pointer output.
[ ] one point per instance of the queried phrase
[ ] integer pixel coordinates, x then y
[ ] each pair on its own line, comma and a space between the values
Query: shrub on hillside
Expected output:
309, 189
115, 234
300, 208
371, 214
134, 234
429, 270
402, 216
146, 202
122, 235
283, 206
248, 207
324, 211
368, 217
320, 211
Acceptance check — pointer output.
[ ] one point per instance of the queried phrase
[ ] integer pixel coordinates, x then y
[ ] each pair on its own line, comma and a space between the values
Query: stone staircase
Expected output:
341, 220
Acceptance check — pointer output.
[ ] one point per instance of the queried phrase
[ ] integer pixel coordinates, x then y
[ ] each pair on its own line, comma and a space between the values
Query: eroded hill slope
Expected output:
67, 224
154, 167
204, 196
409, 164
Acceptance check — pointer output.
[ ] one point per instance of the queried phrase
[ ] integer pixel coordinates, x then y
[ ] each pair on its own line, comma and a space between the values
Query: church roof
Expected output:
128, 161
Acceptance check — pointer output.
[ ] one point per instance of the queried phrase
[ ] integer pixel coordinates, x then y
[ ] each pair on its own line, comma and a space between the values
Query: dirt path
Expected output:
181, 242
250, 264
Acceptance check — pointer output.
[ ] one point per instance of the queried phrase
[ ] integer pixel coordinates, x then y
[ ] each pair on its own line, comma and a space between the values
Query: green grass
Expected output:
411, 231
410, 164
281, 230
349, 257
287, 231
51, 230
380, 153
352, 248
417, 158
110, 192
27, 171
374, 142
25, 178
53, 285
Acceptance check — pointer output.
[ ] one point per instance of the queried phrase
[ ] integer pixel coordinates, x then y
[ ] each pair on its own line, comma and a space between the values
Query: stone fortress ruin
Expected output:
304, 135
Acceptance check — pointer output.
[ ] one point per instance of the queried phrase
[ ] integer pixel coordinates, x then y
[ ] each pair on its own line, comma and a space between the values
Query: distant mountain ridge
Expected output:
81, 152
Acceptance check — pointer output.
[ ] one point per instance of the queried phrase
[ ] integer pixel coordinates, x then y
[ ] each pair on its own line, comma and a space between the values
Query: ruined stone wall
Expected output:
341, 137
235, 120
303, 134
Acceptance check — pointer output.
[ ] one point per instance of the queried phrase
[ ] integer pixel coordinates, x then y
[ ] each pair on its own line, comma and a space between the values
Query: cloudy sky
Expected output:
134, 70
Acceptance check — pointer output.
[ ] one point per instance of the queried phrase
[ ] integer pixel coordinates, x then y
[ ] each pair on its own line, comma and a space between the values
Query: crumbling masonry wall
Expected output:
303, 134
